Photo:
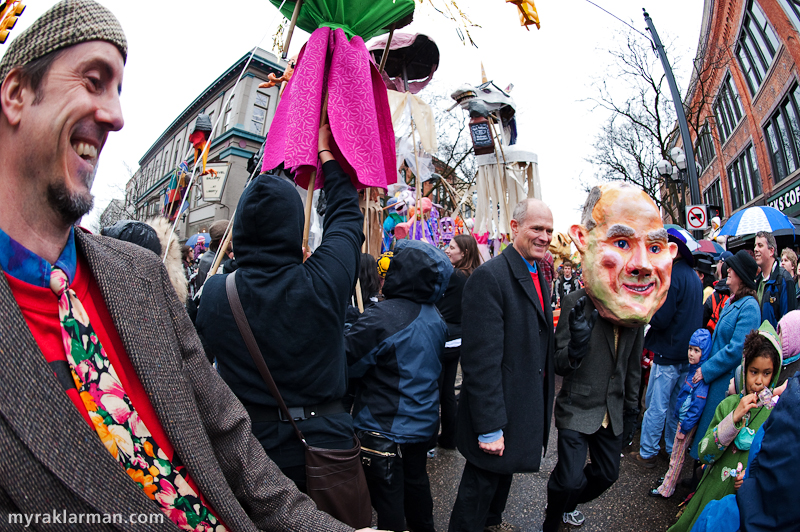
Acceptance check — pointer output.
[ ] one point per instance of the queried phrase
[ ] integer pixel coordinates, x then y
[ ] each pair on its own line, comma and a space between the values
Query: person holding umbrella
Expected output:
776, 293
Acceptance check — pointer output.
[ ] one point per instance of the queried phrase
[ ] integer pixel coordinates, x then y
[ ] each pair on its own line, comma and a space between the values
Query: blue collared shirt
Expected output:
25, 265
533, 268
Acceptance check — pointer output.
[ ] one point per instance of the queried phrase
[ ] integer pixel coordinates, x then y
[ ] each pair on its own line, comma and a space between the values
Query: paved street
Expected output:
623, 508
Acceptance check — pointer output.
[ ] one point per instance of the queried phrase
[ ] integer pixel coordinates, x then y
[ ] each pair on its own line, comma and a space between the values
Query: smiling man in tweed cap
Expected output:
108, 406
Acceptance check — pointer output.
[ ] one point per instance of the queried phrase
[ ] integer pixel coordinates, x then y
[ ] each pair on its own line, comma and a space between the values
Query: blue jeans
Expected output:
662, 391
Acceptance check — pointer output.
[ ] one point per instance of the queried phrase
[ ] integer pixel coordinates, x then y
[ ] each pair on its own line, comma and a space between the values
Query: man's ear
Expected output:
579, 235
514, 227
673, 249
12, 95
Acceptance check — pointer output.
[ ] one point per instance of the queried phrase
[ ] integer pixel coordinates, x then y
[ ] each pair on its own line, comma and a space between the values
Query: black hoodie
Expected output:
296, 310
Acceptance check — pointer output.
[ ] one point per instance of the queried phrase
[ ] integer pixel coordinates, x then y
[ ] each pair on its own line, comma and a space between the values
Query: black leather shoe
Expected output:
654, 493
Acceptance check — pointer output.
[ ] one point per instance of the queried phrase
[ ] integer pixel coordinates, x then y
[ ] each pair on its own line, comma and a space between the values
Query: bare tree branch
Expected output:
642, 126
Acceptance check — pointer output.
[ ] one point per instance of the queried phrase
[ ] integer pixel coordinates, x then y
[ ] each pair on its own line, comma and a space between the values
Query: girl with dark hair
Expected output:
370, 280
726, 444
464, 256
370, 283
740, 315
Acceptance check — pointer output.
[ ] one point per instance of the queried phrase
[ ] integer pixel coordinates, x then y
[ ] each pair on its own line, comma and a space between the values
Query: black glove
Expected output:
629, 419
580, 330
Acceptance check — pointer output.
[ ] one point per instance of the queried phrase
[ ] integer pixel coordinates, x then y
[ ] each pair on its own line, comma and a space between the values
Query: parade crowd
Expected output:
131, 378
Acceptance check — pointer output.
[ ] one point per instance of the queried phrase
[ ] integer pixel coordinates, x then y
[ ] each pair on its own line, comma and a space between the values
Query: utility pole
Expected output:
688, 147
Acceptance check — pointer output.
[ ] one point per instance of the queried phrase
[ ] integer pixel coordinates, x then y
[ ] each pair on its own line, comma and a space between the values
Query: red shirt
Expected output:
535, 277
40, 309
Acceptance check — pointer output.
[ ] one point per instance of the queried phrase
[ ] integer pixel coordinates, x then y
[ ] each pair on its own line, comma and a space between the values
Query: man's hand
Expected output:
580, 330
698, 376
496, 447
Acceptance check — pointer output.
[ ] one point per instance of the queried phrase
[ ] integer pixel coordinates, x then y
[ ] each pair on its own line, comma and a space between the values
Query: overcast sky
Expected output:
177, 48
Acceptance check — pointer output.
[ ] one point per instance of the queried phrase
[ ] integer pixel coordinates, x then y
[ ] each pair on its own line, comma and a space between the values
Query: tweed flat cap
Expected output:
67, 23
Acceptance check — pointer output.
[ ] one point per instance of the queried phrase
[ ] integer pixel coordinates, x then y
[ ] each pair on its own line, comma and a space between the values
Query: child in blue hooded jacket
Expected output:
688, 409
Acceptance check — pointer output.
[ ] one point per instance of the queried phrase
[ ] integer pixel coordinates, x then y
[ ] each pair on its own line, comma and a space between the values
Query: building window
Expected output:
712, 195
259, 113
229, 114
756, 47
178, 147
705, 149
792, 11
213, 129
727, 109
167, 162
151, 172
743, 178
783, 136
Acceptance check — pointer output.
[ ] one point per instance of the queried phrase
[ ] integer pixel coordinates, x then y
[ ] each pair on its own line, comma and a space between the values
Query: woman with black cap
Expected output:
740, 315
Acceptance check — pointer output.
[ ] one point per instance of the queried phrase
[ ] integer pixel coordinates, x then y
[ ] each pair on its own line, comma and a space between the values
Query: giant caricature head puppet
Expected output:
626, 257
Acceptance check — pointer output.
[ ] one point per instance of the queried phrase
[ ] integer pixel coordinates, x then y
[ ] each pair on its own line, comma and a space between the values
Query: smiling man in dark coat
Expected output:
507, 361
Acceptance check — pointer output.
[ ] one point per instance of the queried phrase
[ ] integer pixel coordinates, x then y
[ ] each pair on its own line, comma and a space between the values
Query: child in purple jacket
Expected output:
688, 409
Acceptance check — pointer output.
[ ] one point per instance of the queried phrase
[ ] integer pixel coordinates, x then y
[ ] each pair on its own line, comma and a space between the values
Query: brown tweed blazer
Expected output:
50, 460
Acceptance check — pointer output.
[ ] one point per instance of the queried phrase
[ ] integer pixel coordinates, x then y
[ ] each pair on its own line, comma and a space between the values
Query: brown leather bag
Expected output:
335, 480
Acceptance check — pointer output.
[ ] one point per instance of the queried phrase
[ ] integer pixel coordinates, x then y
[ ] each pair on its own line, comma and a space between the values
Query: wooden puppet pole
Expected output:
386, 50
359, 297
417, 182
500, 142
494, 145
223, 246
296, 13
364, 248
312, 182
460, 205
365, 245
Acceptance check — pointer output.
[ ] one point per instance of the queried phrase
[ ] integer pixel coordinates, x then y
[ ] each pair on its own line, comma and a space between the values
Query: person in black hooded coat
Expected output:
296, 310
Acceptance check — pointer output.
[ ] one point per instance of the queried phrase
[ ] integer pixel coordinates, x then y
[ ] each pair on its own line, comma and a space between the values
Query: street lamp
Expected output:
677, 155
675, 173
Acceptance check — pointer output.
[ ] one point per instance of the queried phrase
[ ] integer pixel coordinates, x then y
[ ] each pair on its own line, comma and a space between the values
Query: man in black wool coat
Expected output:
507, 360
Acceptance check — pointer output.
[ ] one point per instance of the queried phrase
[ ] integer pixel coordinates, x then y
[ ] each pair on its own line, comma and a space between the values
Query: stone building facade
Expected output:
237, 138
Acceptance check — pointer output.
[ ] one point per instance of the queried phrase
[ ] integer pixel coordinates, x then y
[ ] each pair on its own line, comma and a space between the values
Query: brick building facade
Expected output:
745, 98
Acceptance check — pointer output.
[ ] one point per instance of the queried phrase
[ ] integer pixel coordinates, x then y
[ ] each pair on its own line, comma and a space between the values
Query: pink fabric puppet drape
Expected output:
358, 111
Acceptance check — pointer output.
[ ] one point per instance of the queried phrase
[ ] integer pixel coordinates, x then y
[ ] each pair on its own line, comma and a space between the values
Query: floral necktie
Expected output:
116, 421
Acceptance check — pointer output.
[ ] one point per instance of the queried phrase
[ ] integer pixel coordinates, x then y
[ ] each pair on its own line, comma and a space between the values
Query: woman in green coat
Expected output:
726, 444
